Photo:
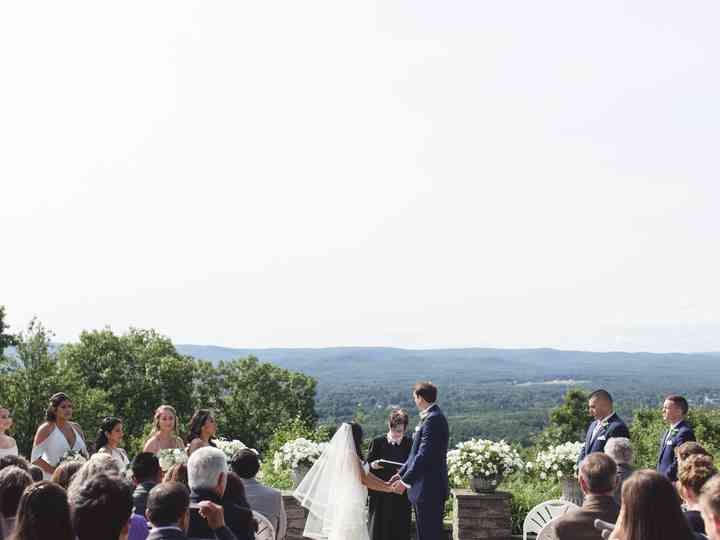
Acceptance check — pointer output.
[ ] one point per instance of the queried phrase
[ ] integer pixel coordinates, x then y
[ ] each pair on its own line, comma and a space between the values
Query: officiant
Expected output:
390, 513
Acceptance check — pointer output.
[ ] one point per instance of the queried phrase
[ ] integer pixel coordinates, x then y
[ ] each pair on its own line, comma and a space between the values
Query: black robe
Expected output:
390, 514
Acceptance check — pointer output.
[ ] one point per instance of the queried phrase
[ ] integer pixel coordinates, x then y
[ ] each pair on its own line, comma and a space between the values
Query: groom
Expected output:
424, 473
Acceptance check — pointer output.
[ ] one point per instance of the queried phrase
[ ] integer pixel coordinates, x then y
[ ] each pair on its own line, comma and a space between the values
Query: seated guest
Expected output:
675, 409
146, 475
36, 473
263, 499
597, 476
177, 473
17, 461
43, 514
692, 475
207, 475
690, 448
237, 510
65, 472
651, 510
168, 512
710, 504
621, 452
13, 482
97, 464
101, 509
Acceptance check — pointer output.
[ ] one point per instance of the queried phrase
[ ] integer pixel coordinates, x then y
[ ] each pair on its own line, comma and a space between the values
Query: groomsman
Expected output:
606, 425
675, 409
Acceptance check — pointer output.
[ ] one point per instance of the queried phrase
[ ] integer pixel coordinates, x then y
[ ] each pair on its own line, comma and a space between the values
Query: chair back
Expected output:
544, 513
265, 530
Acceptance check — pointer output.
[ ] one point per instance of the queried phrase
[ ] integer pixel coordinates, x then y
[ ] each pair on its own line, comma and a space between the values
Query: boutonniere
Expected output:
673, 431
604, 424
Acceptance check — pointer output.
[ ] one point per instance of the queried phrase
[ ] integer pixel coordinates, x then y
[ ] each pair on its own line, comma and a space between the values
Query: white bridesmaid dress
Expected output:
52, 449
12, 451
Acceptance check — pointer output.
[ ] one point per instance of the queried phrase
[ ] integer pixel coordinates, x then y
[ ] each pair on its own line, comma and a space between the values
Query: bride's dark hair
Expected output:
357, 434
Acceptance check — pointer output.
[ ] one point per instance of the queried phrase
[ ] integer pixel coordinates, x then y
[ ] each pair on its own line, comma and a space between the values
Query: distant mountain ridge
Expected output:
481, 365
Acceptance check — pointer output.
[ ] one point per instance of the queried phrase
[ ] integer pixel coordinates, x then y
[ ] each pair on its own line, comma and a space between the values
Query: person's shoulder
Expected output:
45, 429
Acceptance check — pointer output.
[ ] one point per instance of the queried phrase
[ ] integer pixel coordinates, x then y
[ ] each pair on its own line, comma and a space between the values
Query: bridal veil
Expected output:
334, 494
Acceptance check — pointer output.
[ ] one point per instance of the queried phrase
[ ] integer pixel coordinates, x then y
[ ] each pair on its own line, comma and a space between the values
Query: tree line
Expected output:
130, 375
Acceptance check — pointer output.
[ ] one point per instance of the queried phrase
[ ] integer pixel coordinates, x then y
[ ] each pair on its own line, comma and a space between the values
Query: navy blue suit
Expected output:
615, 428
667, 461
426, 472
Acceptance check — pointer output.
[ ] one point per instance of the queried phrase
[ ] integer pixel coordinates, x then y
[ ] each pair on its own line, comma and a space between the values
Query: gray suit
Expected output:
579, 524
269, 503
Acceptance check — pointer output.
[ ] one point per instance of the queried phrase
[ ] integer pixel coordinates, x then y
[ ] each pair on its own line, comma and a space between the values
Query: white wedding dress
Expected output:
52, 449
334, 494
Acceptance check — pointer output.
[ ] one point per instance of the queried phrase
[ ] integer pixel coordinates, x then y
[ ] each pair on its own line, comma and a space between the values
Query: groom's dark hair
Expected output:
426, 390
602, 394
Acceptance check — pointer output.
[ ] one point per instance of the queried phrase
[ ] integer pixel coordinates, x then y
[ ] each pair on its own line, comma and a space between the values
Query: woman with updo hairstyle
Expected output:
202, 430
57, 436
65, 472
177, 473
110, 435
651, 510
43, 514
164, 434
693, 473
8, 446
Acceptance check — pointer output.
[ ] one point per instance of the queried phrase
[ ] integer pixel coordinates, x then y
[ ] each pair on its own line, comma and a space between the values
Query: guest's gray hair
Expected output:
620, 450
97, 464
205, 467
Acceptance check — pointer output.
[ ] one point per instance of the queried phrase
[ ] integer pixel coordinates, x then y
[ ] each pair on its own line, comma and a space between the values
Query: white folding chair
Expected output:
544, 513
265, 530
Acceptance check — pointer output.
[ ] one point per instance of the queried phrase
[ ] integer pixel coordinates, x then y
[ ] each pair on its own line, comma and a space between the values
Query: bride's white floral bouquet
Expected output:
228, 447
297, 453
73, 455
480, 458
170, 456
557, 461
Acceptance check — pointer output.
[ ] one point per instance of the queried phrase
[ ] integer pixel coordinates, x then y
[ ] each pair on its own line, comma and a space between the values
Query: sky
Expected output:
394, 173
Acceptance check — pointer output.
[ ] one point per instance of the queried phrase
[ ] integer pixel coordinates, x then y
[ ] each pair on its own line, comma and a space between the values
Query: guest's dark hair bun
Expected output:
55, 401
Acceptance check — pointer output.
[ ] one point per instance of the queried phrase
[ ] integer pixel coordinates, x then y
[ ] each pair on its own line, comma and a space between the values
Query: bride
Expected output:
335, 489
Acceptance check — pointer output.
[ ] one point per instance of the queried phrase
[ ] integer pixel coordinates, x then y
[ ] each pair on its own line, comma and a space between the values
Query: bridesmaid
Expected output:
8, 446
57, 435
108, 440
202, 430
164, 434
390, 514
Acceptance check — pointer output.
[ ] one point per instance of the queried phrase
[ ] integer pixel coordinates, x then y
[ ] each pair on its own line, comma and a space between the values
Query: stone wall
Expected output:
481, 516
296, 516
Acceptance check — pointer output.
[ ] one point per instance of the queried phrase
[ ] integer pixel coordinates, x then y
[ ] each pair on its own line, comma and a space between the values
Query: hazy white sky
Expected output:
316, 173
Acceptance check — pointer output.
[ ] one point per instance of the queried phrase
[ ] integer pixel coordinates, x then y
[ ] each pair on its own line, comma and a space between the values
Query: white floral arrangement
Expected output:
228, 447
296, 453
170, 456
480, 458
557, 461
72, 455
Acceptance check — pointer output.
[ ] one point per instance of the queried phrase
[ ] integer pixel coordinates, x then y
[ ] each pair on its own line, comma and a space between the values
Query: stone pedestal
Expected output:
481, 515
296, 516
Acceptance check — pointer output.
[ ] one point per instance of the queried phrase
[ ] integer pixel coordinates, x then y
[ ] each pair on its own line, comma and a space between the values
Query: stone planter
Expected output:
485, 485
571, 491
298, 473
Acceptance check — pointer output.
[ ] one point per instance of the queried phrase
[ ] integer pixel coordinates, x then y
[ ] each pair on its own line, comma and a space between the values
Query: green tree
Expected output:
568, 421
6, 339
31, 378
136, 372
259, 396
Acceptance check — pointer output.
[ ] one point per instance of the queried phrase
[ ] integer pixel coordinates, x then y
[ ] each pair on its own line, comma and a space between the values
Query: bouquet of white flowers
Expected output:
72, 455
170, 456
296, 453
229, 447
479, 458
557, 461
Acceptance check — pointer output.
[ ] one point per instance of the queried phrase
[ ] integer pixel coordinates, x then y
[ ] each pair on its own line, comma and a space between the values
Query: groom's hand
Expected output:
398, 487
395, 478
